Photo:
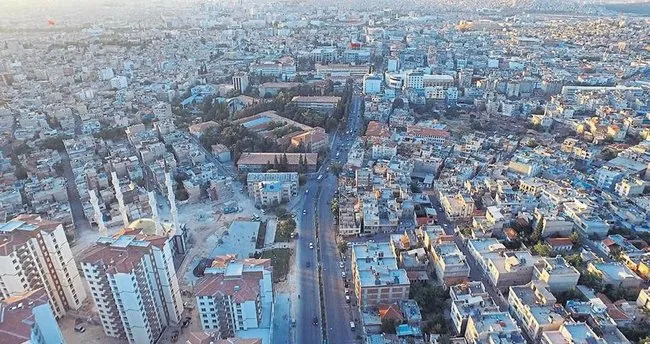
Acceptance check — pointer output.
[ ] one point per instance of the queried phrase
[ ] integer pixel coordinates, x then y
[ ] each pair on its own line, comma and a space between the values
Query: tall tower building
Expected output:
134, 283
34, 253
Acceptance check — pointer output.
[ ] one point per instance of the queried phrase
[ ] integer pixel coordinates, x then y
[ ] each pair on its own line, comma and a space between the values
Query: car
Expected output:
347, 299
345, 284
343, 274
79, 329
293, 322
293, 215
315, 321
311, 245
304, 211
308, 264
307, 191
341, 265
263, 211
347, 291
319, 177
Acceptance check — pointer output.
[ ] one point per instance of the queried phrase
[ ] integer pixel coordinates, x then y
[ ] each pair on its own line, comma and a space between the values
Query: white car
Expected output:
311, 245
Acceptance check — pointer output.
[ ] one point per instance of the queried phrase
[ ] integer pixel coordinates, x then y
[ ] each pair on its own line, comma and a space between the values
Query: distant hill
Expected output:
641, 8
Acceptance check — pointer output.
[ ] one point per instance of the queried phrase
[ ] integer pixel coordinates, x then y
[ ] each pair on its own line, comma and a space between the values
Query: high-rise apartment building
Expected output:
34, 253
133, 282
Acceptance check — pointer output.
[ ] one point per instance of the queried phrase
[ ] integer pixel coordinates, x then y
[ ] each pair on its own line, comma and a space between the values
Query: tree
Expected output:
335, 208
54, 143
542, 249
574, 260
575, 237
591, 280
336, 168
21, 172
276, 164
343, 247
388, 326
398, 103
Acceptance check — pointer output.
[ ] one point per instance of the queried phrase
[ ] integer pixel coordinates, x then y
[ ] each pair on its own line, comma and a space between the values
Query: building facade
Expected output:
34, 253
134, 285
272, 188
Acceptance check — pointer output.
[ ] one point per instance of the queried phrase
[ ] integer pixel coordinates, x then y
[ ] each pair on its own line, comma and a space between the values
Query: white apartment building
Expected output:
233, 294
450, 263
28, 318
414, 80
534, 306
467, 299
372, 84
283, 68
272, 188
134, 285
630, 187
558, 275
240, 81
34, 253
377, 278
457, 206
119, 82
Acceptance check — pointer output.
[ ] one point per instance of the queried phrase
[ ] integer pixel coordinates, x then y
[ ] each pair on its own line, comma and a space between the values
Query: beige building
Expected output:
467, 299
457, 206
510, 268
556, 273
450, 263
272, 188
491, 327
34, 253
576, 333
534, 306
616, 274
377, 279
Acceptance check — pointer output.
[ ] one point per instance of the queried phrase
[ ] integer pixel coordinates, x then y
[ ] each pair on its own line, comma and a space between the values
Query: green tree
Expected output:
342, 246
591, 280
336, 168
575, 237
542, 249
388, 326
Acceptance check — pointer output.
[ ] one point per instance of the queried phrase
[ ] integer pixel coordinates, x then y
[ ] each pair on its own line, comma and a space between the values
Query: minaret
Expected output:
120, 198
154, 212
98, 213
172, 200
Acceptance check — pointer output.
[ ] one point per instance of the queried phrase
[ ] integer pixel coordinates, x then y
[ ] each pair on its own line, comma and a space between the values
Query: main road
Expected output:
308, 297
338, 313
316, 203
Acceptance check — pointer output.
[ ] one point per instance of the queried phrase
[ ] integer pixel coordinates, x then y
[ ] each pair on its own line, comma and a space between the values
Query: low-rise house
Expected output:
467, 299
450, 264
490, 327
616, 274
559, 244
556, 273
510, 268
577, 333
534, 305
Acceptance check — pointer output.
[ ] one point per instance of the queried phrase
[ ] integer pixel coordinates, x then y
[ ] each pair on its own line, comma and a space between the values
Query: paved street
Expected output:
308, 297
338, 313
